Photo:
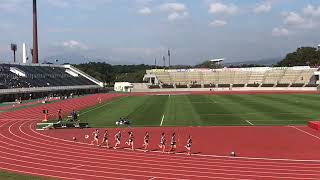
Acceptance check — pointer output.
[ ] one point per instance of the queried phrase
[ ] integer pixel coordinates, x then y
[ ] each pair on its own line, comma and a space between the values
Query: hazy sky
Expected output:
138, 31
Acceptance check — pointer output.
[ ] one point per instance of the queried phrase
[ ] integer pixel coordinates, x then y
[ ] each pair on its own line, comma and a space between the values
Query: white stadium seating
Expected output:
237, 77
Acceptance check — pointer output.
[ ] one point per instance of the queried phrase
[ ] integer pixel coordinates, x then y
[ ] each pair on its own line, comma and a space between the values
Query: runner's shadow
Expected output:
196, 153
182, 152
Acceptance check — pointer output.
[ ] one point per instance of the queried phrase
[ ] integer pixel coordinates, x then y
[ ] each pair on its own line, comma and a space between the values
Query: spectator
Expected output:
74, 115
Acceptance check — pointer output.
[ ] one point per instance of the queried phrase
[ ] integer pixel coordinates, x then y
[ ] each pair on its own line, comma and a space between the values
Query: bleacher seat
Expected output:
239, 77
39, 76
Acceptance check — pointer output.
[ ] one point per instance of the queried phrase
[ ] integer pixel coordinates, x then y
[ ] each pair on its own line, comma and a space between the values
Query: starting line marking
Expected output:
249, 122
305, 132
162, 120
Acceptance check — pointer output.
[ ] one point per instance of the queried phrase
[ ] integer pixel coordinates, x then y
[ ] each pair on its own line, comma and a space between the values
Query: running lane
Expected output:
25, 150
264, 152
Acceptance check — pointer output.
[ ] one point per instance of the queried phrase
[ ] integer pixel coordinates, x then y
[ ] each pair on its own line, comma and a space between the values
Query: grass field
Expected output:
12, 176
206, 110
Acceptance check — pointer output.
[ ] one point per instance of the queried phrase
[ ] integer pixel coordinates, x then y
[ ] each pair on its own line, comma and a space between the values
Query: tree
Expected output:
117, 73
208, 64
304, 56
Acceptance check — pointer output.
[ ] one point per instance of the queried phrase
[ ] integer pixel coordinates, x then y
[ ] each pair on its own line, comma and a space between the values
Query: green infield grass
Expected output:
12, 176
206, 110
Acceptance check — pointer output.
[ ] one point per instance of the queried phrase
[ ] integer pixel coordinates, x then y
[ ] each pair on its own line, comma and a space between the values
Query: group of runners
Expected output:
130, 141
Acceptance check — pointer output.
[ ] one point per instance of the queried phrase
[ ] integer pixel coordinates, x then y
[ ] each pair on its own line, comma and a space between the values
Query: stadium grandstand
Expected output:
264, 78
39, 80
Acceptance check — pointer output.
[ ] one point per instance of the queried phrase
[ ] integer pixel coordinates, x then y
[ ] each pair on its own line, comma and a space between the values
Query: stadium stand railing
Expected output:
300, 76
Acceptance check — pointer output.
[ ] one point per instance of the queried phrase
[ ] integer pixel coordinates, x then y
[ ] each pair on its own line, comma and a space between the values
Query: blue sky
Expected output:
138, 31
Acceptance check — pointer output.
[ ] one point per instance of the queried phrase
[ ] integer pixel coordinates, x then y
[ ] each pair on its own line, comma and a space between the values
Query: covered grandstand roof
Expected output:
44, 77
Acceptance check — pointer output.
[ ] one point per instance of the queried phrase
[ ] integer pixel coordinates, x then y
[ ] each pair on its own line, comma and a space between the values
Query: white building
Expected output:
123, 87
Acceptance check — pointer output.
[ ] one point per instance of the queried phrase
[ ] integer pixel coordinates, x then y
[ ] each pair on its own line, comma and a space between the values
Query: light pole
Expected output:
35, 34
164, 62
169, 55
14, 49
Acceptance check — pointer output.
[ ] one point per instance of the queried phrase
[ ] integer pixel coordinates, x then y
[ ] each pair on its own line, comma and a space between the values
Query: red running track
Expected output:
264, 152
24, 104
66, 105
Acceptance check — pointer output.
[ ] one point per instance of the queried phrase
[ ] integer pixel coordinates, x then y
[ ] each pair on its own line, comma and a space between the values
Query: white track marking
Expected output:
152, 178
257, 158
159, 151
72, 164
166, 173
66, 159
200, 155
162, 120
56, 171
37, 174
98, 107
305, 132
259, 176
20, 125
210, 155
249, 122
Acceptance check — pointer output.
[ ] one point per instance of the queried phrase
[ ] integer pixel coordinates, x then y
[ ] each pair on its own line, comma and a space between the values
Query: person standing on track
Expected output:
173, 143
105, 139
117, 138
130, 140
162, 144
95, 135
60, 115
146, 142
189, 144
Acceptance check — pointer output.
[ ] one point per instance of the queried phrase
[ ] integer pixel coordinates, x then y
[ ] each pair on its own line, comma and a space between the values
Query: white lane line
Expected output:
199, 155
258, 158
266, 160
35, 174
19, 128
305, 132
162, 120
249, 122
199, 176
68, 162
112, 101
78, 166
152, 178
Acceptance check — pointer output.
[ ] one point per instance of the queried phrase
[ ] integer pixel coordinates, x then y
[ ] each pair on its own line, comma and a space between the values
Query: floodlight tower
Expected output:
169, 55
14, 49
24, 53
35, 34
164, 61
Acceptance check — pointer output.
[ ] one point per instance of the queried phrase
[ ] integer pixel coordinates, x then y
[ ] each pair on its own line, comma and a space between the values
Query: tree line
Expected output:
304, 56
